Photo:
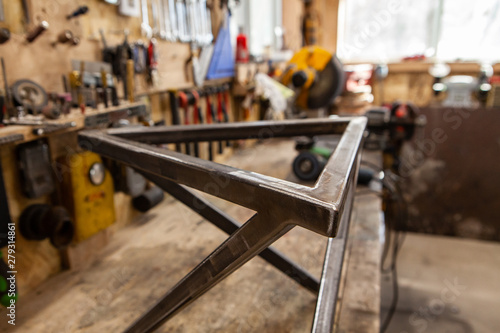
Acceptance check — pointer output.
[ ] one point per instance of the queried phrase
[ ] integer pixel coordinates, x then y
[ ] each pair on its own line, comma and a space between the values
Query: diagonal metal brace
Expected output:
227, 224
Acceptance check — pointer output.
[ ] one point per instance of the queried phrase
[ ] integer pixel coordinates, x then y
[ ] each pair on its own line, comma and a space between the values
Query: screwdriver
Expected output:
209, 121
174, 106
183, 103
80, 11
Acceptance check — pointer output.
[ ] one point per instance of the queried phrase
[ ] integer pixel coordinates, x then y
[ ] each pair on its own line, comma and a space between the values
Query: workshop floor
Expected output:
446, 285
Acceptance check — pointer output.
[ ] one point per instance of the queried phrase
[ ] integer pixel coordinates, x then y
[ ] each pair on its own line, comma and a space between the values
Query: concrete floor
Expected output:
446, 285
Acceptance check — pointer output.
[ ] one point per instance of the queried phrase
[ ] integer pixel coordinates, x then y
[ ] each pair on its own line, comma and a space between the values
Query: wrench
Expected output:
165, 20
209, 37
156, 23
192, 21
202, 18
161, 17
173, 20
145, 27
181, 20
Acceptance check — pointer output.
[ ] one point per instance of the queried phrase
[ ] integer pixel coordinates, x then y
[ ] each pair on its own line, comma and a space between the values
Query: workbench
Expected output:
40, 258
143, 260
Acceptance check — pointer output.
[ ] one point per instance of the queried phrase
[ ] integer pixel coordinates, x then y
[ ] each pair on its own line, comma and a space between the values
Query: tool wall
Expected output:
45, 59
38, 41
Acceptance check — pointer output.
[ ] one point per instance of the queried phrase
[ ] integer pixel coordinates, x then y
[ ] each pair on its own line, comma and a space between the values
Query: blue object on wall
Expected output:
222, 63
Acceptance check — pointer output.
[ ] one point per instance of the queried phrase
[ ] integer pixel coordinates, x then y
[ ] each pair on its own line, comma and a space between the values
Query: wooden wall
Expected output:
45, 64
327, 11
292, 22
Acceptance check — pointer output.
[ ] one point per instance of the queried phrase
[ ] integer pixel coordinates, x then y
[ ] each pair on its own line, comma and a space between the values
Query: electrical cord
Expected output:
390, 181
401, 217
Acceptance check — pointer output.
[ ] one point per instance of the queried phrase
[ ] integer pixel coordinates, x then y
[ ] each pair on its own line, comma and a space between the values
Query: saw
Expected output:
316, 75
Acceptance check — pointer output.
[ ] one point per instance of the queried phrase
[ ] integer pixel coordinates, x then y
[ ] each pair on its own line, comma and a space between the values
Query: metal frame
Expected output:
324, 208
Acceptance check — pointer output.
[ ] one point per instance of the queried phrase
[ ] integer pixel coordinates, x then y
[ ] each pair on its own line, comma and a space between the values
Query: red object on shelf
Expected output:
242, 54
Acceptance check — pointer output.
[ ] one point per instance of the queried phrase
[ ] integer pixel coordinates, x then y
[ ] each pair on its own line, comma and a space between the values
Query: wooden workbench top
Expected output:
74, 116
147, 258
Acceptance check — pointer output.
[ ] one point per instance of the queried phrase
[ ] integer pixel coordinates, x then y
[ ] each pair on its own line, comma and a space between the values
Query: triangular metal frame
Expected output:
280, 205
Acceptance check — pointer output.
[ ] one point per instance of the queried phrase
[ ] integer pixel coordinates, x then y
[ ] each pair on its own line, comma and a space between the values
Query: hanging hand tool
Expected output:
64, 37
140, 57
221, 111
183, 103
225, 108
109, 54
124, 52
194, 100
130, 80
196, 38
202, 51
174, 108
81, 101
162, 18
156, 19
76, 84
166, 20
182, 21
215, 118
4, 35
36, 32
192, 21
199, 116
104, 82
209, 120
152, 63
80, 11
173, 20
146, 29
209, 37
200, 8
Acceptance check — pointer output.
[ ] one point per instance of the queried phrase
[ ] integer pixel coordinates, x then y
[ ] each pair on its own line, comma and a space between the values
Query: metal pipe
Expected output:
321, 208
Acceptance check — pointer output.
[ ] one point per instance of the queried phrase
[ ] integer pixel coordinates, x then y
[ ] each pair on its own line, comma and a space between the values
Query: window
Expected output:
260, 20
448, 30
